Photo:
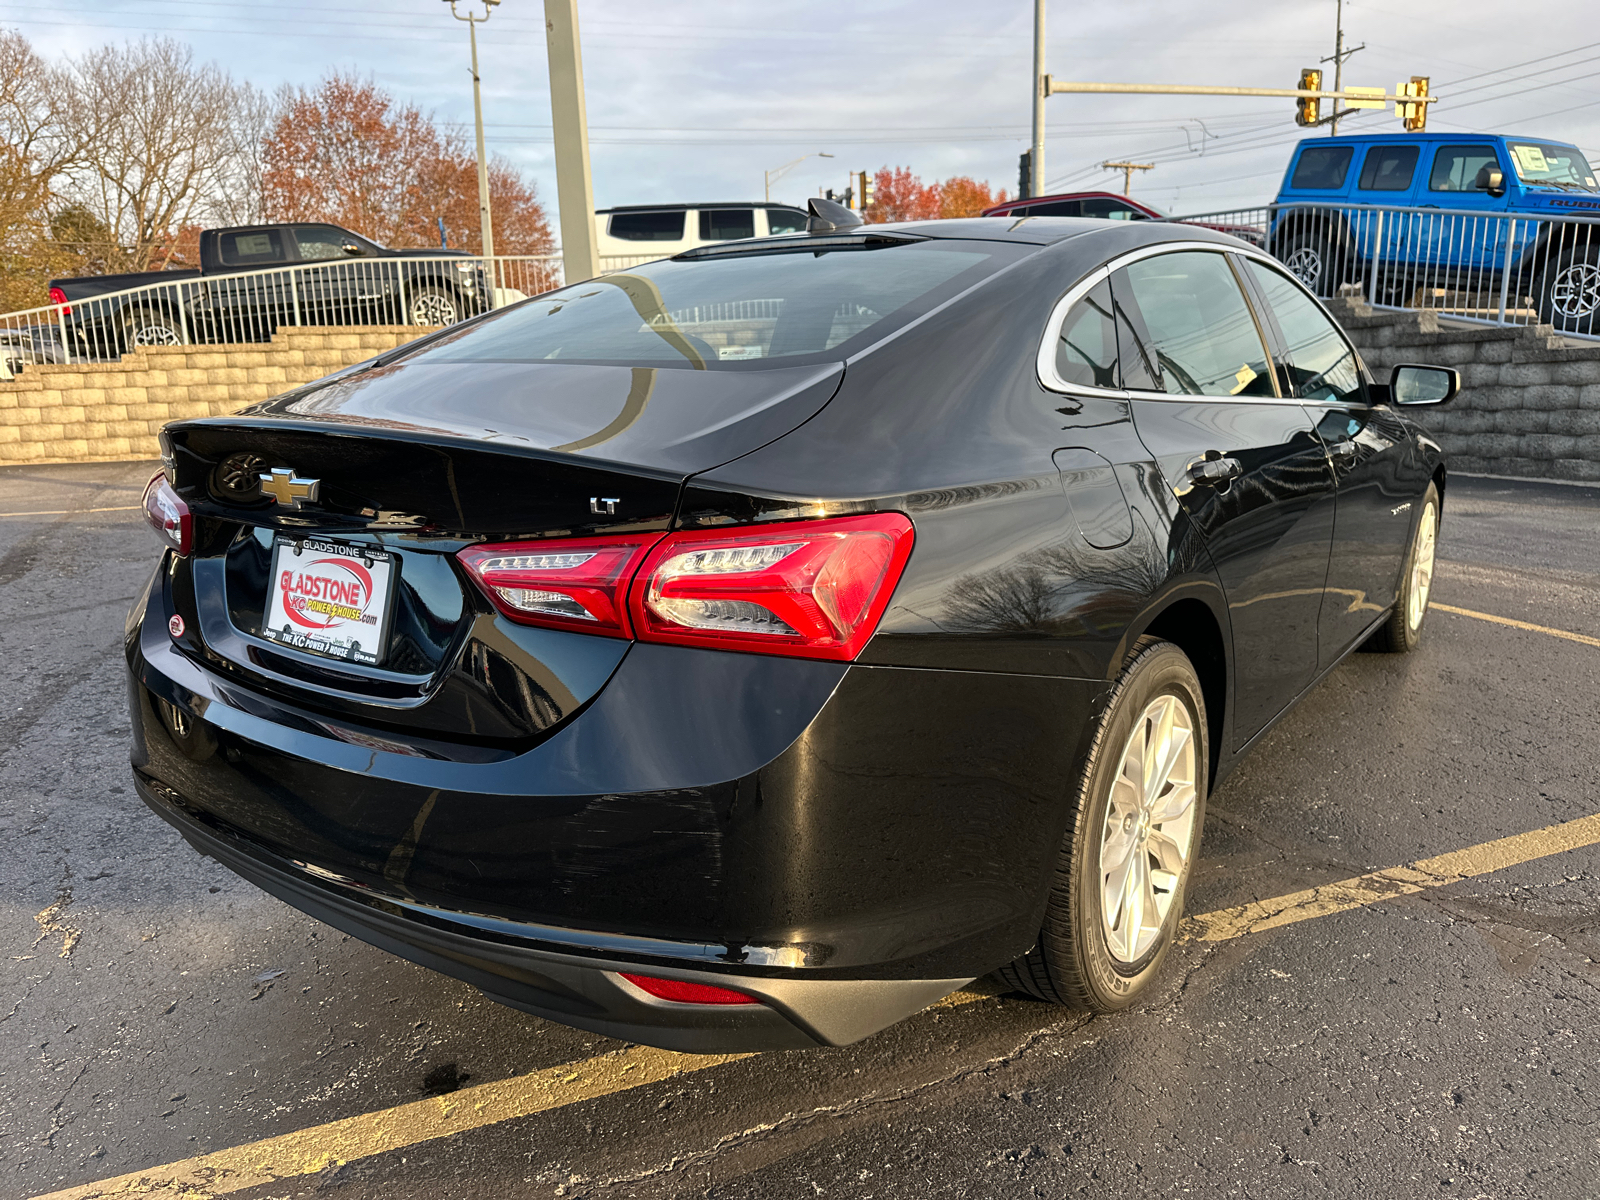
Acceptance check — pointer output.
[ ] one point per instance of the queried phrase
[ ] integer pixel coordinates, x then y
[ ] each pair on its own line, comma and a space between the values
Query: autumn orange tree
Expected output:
345, 152
898, 195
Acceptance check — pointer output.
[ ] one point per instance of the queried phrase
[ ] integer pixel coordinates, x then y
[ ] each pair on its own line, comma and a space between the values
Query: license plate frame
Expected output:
324, 581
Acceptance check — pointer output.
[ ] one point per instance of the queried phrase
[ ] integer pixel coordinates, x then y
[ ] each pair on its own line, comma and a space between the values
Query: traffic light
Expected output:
1413, 116
1025, 174
1308, 109
864, 180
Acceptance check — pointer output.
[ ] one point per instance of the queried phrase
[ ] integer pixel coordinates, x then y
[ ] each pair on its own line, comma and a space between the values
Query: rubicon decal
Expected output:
329, 598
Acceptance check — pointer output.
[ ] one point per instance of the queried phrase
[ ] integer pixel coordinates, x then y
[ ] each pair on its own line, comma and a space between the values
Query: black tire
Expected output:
146, 326
1569, 291
1403, 630
1073, 962
433, 306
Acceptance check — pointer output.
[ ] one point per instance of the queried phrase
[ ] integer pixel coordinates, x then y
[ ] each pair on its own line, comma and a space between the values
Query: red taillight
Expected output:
811, 588
168, 514
57, 296
687, 993
570, 583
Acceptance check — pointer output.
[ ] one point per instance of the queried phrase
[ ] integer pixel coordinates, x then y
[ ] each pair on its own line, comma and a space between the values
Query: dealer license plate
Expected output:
330, 598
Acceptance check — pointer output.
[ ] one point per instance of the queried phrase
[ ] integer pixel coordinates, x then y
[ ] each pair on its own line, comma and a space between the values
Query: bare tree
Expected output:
37, 148
166, 138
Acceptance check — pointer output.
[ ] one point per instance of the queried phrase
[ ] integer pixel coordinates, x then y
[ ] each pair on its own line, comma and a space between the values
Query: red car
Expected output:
1110, 206
1077, 204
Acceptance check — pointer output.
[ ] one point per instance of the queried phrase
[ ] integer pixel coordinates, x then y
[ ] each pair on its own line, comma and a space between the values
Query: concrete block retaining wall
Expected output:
1529, 403
98, 412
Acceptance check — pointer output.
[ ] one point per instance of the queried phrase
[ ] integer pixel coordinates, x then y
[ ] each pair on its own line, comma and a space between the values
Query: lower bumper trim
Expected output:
583, 991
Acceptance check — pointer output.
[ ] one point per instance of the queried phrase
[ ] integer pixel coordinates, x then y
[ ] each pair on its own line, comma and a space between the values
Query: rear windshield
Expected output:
731, 311
1545, 162
1321, 168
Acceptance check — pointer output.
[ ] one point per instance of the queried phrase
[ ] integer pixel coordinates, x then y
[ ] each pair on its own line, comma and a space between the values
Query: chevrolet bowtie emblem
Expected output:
288, 489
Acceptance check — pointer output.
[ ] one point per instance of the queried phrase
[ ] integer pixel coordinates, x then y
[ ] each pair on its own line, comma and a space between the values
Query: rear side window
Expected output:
1321, 168
725, 224
249, 248
1388, 169
1201, 332
647, 226
1086, 346
1456, 168
785, 220
1321, 365
1114, 210
1052, 208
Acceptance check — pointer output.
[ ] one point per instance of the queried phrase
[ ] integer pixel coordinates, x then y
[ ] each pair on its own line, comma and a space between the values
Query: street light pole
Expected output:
1036, 159
778, 173
485, 219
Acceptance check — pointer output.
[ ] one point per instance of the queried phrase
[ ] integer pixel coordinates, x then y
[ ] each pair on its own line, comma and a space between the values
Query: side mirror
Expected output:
1424, 385
1491, 180
351, 248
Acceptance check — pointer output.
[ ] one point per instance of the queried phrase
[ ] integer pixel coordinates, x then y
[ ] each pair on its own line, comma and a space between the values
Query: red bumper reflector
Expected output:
568, 583
687, 993
168, 515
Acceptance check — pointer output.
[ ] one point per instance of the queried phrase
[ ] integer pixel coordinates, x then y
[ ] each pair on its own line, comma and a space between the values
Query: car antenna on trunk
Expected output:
829, 216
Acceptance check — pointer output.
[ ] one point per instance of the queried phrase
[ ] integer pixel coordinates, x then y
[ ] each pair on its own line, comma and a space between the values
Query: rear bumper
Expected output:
846, 843
510, 967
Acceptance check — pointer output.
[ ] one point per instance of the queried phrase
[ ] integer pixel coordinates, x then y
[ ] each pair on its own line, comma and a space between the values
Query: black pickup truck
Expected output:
255, 278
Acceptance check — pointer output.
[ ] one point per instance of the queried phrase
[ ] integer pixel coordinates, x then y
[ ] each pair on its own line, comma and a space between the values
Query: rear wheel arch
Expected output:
1190, 624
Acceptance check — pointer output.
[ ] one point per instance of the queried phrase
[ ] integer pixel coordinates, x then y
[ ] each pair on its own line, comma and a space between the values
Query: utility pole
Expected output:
574, 184
1040, 91
1127, 169
485, 219
1339, 55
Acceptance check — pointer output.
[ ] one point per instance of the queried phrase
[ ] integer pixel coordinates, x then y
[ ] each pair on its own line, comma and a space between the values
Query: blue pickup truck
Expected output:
1508, 222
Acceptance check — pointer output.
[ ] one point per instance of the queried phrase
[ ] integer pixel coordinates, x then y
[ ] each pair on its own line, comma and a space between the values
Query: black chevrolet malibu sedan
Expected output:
745, 651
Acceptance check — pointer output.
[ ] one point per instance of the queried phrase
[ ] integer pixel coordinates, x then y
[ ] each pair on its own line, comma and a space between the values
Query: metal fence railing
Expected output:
251, 305
1505, 269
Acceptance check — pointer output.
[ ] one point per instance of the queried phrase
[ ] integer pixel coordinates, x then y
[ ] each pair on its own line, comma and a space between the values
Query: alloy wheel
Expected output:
1305, 264
154, 334
1575, 291
432, 308
1149, 829
1422, 566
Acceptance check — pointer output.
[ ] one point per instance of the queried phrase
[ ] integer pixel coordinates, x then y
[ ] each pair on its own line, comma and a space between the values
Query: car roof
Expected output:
1403, 138
1110, 195
676, 207
1047, 231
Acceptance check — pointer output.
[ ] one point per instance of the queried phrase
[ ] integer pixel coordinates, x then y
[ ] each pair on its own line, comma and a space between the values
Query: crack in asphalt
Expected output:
848, 1108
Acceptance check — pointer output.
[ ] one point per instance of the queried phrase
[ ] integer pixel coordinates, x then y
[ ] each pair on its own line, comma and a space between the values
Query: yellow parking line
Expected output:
72, 512
311, 1150
1426, 873
1560, 633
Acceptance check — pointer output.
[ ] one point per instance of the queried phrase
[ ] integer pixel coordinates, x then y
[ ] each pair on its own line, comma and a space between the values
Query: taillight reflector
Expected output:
681, 992
57, 296
168, 514
814, 589
572, 583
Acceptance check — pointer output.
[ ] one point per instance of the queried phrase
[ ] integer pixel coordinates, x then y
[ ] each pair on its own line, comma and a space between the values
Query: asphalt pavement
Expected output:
1431, 1031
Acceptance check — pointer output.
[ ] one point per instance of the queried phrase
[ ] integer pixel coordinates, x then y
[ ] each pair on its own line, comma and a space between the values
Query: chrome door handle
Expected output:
1213, 471
1344, 453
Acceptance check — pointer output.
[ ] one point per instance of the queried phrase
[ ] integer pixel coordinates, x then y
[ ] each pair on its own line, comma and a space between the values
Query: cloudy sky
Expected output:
694, 99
